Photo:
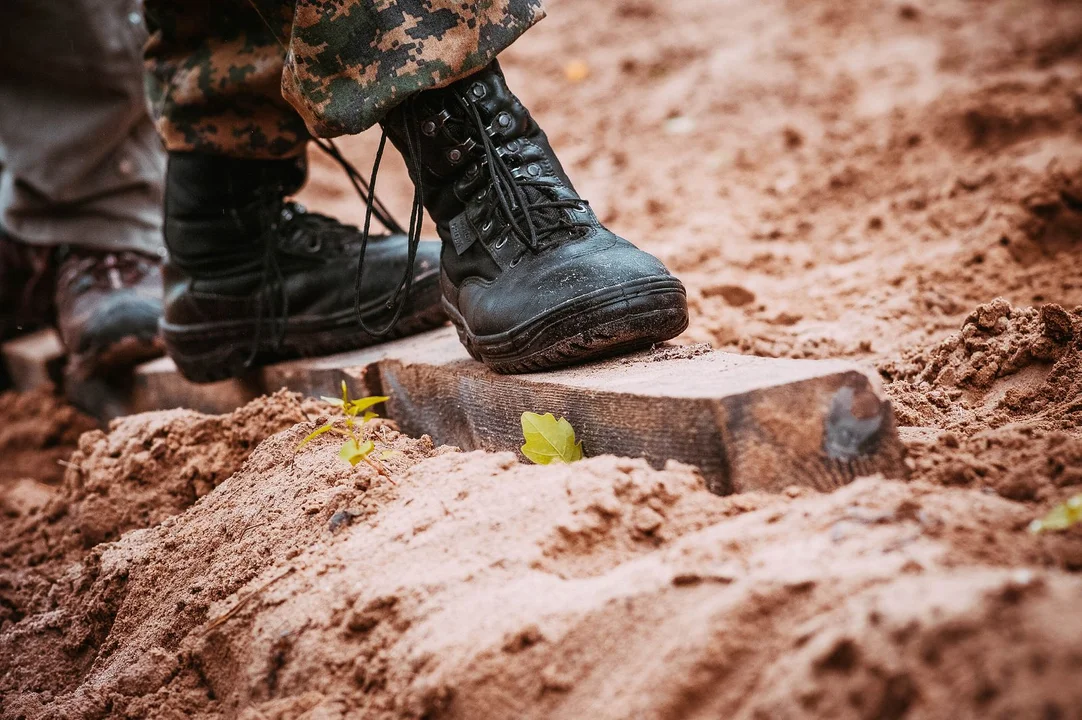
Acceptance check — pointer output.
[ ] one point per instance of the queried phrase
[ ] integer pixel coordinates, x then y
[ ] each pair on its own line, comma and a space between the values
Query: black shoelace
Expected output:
510, 191
279, 213
522, 213
373, 206
273, 205
397, 303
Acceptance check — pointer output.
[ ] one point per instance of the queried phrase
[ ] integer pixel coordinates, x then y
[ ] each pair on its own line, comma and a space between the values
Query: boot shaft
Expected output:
441, 136
218, 208
199, 185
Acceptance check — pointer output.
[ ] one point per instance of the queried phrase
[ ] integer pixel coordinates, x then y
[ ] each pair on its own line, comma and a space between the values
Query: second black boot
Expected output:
252, 278
530, 277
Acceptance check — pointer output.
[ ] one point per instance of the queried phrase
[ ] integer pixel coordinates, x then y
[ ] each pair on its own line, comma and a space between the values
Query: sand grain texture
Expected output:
895, 183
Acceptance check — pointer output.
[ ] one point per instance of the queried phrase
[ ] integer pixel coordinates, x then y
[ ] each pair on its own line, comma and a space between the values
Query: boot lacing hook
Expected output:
511, 190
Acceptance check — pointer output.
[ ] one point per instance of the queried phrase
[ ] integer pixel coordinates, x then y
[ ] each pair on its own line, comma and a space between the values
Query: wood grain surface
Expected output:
748, 423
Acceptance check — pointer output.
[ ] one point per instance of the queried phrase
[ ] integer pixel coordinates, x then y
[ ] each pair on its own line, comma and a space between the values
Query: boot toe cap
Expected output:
562, 281
119, 316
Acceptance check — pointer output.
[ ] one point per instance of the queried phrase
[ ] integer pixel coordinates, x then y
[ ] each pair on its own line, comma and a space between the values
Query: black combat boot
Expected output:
530, 278
252, 278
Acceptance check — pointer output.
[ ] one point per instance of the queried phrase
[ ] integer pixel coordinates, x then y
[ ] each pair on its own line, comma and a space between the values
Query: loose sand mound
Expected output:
896, 183
37, 431
466, 585
148, 468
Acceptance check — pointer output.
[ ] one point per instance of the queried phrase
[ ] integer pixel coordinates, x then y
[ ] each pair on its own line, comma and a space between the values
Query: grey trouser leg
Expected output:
80, 161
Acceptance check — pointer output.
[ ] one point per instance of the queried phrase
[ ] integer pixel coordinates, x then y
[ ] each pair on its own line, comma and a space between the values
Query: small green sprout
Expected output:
355, 449
549, 440
1060, 517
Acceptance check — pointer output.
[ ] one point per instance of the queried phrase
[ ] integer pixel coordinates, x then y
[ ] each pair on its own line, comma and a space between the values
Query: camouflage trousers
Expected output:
259, 78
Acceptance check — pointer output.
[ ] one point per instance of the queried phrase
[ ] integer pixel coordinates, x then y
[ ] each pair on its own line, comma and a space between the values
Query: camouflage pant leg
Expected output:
253, 77
214, 79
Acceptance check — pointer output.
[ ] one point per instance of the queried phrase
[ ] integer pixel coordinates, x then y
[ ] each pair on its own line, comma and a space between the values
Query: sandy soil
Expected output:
899, 183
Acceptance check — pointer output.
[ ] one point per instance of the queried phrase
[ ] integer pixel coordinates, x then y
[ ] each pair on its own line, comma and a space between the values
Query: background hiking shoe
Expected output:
530, 277
27, 277
253, 279
108, 305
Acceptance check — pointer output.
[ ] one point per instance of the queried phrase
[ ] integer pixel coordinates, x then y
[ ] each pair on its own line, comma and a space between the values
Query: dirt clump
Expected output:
152, 466
1004, 363
1001, 399
37, 429
147, 468
1021, 463
276, 506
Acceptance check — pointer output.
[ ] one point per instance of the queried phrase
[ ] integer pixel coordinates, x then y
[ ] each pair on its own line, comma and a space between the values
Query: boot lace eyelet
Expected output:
454, 155
429, 128
500, 243
515, 262
487, 226
478, 91
314, 244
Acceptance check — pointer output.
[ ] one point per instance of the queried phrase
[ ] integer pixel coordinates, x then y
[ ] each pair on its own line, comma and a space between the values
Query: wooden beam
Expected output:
748, 423
34, 360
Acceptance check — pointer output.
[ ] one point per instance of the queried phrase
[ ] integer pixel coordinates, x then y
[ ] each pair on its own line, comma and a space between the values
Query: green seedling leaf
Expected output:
1060, 517
549, 440
353, 453
353, 450
340, 402
354, 407
315, 433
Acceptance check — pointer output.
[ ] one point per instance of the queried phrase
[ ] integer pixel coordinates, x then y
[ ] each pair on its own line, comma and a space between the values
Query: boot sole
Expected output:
211, 352
115, 357
615, 321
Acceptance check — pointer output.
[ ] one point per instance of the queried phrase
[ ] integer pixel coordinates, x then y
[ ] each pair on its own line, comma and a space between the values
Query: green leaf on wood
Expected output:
1060, 517
549, 440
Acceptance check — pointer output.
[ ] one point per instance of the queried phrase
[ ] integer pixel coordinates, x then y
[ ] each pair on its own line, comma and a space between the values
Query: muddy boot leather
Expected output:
252, 278
27, 277
530, 277
108, 305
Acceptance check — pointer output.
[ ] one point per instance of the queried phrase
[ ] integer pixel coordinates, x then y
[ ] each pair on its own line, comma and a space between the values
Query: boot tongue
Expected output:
544, 219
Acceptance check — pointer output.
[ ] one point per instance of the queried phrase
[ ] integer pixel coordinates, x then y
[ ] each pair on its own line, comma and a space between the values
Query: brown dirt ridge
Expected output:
896, 183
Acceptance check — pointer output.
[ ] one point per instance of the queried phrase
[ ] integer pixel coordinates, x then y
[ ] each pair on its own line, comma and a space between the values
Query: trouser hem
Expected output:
104, 234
